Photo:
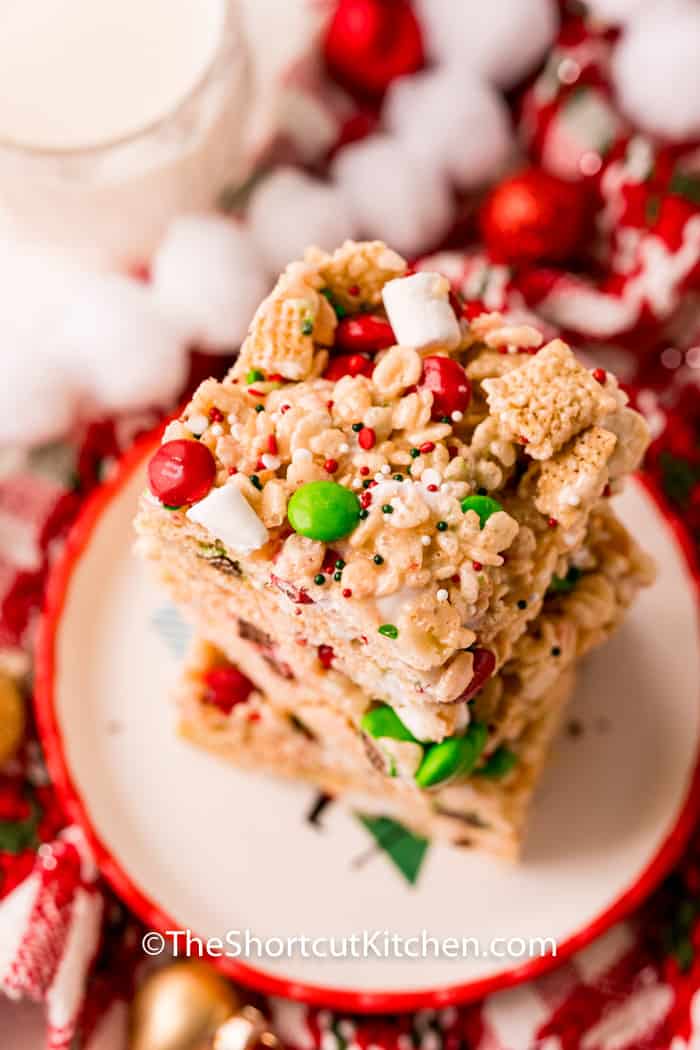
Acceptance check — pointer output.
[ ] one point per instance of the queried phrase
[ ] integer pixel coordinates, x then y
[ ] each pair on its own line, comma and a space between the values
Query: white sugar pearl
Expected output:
392, 195
228, 516
425, 540
216, 429
386, 469
456, 416
342, 449
454, 118
289, 210
123, 351
503, 39
208, 274
662, 40
442, 595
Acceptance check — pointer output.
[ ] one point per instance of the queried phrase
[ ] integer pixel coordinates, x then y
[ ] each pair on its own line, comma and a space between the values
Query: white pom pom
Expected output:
208, 275
121, 348
455, 118
503, 39
289, 210
392, 195
38, 398
615, 12
656, 71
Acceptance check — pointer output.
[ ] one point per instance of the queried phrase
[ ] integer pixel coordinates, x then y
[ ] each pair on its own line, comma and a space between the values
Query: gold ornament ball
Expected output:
12, 718
180, 1007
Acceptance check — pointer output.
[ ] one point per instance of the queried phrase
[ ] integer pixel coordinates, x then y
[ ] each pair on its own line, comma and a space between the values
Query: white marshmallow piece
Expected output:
420, 313
503, 39
228, 516
394, 196
470, 137
662, 40
290, 210
208, 275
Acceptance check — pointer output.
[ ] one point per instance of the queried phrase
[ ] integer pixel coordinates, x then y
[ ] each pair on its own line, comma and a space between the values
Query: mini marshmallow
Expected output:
419, 311
289, 210
228, 516
393, 195
208, 275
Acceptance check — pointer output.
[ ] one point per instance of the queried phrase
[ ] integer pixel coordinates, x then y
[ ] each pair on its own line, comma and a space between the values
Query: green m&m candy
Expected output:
484, 506
453, 757
382, 722
323, 510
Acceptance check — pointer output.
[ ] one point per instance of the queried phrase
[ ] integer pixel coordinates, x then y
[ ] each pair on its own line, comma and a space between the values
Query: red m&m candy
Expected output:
364, 332
226, 686
181, 472
482, 669
449, 385
348, 365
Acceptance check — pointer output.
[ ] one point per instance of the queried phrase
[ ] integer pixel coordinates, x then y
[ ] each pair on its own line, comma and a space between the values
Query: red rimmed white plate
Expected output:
191, 843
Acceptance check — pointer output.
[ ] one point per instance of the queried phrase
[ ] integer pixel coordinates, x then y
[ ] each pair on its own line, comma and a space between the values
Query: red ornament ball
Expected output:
364, 333
449, 385
369, 43
532, 217
225, 687
181, 472
348, 365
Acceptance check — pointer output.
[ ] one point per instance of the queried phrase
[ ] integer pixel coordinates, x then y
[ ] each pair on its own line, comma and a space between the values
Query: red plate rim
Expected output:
155, 918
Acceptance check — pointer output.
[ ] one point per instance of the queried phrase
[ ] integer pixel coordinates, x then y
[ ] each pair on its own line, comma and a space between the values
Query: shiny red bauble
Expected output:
483, 668
181, 472
449, 385
534, 217
348, 365
364, 333
369, 43
225, 687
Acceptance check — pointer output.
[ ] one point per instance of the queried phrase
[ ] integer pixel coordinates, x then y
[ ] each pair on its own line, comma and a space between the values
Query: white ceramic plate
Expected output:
192, 843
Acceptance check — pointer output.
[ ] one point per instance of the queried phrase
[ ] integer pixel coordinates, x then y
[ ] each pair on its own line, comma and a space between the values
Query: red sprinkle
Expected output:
276, 377
233, 470
325, 655
366, 438
347, 593
365, 499
523, 440
330, 466
607, 491
226, 686
600, 375
329, 405
354, 289
260, 465
477, 566
215, 415
552, 523
452, 451
426, 447
364, 471
255, 393
284, 408
432, 488
272, 445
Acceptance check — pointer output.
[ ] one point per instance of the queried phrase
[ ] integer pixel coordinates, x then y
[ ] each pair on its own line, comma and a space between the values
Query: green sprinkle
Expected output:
366, 483
454, 757
378, 560
482, 505
357, 427
259, 408
441, 526
398, 477
522, 604
415, 453
498, 764
389, 630
340, 311
255, 482
254, 376
340, 564
364, 513
564, 584
445, 419
319, 580
307, 326
337, 576
383, 722
387, 509
556, 651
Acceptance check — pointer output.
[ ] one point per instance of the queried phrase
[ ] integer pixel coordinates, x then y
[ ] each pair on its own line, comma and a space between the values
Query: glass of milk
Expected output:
117, 114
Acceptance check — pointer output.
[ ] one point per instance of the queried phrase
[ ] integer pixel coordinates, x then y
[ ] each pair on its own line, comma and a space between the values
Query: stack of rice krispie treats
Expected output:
390, 527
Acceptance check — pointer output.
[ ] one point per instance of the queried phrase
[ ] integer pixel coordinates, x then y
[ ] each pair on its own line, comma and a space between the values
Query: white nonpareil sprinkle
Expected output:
442, 595
217, 430
386, 469
269, 461
227, 515
301, 455
342, 449
357, 483
573, 500
456, 416
425, 540
379, 477
419, 311
197, 424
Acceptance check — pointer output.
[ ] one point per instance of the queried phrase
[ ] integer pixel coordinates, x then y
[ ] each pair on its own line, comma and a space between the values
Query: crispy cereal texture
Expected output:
356, 273
548, 401
575, 477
